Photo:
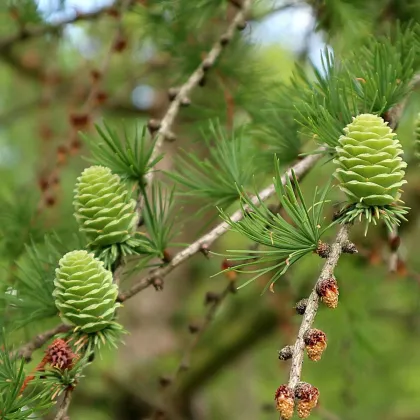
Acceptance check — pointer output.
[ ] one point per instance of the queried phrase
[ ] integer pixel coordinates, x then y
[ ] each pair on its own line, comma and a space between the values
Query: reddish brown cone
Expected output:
307, 396
60, 355
316, 343
327, 290
285, 401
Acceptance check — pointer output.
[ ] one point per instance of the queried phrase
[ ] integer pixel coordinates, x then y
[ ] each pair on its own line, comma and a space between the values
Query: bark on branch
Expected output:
165, 125
312, 306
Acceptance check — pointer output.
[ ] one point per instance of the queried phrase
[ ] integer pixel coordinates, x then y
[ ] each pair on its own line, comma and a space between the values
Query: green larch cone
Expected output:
370, 168
84, 292
103, 207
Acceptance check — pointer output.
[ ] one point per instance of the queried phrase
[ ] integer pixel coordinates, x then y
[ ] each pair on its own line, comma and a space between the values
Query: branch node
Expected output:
185, 102
202, 81
349, 248
241, 25
206, 65
172, 93
300, 307
158, 284
286, 353
323, 249
232, 287
236, 3
153, 126
205, 250
193, 328
211, 298
164, 381
170, 136
167, 256
224, 40
394, 243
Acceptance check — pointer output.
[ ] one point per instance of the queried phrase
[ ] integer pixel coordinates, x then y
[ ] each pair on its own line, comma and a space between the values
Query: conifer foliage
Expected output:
232, 151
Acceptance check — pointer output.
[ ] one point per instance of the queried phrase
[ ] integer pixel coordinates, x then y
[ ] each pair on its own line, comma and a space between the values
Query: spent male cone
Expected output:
285, 401
307, 399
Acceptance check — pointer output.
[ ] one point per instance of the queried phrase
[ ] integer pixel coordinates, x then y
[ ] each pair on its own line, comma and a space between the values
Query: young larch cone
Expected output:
307, 399
103, 207
327, 290
285, 402
84, 292
59, 354
370, 168
316, 343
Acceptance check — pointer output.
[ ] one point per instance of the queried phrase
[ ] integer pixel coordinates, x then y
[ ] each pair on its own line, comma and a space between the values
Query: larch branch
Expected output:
312, 306
39, 340
300, 169
64, 405
165, 125
184, 363
39, 31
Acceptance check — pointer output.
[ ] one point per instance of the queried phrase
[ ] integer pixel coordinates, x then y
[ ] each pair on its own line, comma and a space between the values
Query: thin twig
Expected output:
90, 104
65, 404
185, 360
38, 31
39, 340
312, 306
300, 169
165, 125
208, 318
394, 246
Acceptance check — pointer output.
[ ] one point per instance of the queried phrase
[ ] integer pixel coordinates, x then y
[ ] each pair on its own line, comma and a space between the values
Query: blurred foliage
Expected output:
57, 83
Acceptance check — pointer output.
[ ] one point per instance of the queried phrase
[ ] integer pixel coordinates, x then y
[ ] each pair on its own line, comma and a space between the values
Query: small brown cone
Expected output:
323, 249
316, 343
327, 289
285, 402
60, 355
307, 396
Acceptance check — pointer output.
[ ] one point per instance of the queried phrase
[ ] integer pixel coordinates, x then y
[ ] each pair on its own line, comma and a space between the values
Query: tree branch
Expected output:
312, 306
214, 303
65, 404
38, 31
300, 169
39, 340
165, 125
